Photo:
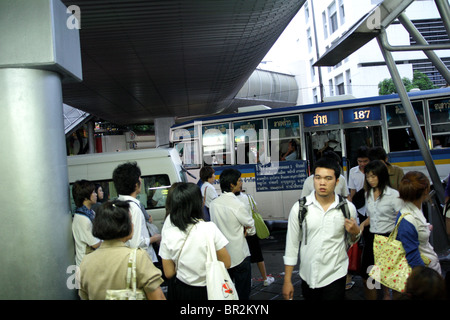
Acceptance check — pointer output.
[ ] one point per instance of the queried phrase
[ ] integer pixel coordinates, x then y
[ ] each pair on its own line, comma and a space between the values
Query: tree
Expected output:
420, 80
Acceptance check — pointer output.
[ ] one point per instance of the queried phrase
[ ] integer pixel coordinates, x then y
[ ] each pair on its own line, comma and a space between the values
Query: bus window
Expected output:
440, 122
396, 116
188, 153
362, 136
186, 143
401, 137
288, 129
215, 149
247, 140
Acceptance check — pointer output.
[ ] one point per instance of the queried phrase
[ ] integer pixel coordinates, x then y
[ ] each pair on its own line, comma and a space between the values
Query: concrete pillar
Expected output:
35, 224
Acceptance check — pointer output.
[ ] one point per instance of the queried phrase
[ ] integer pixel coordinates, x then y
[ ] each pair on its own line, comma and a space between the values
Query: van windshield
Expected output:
153, 194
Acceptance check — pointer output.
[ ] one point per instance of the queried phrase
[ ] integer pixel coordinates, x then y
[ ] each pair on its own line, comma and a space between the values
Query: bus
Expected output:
275, 149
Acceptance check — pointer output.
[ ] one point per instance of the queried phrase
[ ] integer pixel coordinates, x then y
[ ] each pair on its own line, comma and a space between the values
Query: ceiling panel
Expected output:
148, 59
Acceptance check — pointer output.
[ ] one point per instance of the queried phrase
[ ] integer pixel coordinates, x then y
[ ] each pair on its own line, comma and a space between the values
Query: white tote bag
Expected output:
218, 281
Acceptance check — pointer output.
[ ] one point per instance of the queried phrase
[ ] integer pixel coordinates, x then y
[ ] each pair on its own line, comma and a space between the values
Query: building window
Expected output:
340, 87
341, 12
313, 72
309, 39
348, 80
331, 88
315, 98
325, 25
306, 12
332, 17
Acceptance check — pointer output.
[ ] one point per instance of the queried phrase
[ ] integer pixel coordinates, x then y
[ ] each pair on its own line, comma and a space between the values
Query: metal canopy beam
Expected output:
417, 36
363, 31
410, 115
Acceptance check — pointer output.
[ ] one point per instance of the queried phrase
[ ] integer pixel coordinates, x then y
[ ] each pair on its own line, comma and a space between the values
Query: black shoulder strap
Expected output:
343, 205
302, 210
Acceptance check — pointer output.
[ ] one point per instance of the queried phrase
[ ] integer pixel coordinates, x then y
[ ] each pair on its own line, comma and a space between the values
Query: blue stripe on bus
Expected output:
342, 103
415, 155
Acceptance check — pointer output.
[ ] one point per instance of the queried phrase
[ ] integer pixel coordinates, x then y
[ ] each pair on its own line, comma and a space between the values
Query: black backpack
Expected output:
303, 210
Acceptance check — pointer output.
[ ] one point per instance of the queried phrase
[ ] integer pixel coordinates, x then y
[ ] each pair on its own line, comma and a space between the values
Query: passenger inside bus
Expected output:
332, 144
292, 151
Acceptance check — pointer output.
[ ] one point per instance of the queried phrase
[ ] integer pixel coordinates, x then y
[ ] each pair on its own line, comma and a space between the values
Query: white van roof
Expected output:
119, 156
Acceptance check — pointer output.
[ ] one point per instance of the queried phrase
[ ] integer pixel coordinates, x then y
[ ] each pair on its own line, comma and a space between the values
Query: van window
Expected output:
153, 191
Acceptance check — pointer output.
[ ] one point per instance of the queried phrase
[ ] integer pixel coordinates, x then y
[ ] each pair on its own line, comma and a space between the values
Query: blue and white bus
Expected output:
256, 142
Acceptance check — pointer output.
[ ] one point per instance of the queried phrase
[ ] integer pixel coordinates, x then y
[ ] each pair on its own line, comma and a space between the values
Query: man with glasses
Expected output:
232, 219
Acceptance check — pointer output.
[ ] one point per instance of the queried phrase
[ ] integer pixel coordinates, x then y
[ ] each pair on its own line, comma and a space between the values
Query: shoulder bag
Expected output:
130, 293
261, 228
218, 282
391, 268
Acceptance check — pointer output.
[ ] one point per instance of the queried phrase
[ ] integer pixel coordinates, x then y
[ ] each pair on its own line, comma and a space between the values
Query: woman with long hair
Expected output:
183, 246
382, 205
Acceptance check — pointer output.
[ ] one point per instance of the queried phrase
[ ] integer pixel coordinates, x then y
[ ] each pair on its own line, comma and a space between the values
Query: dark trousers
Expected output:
241, 275
333, 291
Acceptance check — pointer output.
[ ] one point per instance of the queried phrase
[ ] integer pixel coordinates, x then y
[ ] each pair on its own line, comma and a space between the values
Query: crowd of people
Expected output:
379, 194
334, 215
107, 236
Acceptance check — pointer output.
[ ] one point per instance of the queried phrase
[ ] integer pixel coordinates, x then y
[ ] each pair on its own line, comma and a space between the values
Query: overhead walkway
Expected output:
74, 118
273, 89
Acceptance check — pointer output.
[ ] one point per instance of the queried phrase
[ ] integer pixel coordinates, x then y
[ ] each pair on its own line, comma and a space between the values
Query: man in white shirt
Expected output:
341, 185
324, 235
232, 219
127, 181
356, 180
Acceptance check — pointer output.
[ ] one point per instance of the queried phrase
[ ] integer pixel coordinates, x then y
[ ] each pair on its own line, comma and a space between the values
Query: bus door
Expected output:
362, 127
356, 137
320, 141
322, 133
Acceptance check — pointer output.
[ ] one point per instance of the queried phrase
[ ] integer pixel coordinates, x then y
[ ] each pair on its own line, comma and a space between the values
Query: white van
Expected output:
160, 168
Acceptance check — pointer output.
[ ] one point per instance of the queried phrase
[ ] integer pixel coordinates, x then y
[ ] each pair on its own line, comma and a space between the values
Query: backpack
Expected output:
303, 210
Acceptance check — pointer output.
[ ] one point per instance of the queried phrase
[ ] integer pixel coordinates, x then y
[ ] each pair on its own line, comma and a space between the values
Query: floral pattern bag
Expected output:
391, 267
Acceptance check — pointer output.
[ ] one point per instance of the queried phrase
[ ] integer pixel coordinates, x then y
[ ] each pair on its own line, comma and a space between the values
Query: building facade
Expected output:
320, 23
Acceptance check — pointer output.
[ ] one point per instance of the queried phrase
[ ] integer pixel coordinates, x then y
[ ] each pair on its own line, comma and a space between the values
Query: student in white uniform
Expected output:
231, 217
382, 205
127, 181
324, 234
183, 246
208, 191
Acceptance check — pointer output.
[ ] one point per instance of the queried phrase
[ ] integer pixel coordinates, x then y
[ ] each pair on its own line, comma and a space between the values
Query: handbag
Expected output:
391, 267
261, 228
218, 282
130, 293
354, 257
